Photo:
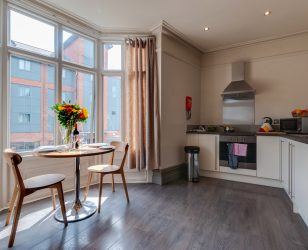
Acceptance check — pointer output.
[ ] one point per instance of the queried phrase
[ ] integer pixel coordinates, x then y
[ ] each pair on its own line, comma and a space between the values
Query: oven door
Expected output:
246, 165
244, 162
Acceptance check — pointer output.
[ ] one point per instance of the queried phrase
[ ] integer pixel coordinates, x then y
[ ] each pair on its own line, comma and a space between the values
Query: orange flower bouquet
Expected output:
68, 116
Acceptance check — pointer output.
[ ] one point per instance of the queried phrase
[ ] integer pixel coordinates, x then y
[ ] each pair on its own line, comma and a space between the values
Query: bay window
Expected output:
50, 62
30, 119
78, 87
77, 49
112, 108
35, 65
112, 57
31, 34
113, 76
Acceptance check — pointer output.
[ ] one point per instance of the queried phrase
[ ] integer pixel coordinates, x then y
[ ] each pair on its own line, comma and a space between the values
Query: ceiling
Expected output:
231, 22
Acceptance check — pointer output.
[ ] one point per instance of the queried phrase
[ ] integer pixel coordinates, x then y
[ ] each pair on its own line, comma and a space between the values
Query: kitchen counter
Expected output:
271, 133
303, 138
221, 133
297, 137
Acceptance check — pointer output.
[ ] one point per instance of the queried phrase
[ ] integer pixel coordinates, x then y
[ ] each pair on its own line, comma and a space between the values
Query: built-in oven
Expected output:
245, 163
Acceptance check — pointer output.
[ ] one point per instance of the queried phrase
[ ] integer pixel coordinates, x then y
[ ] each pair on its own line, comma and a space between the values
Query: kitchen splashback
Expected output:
238, 98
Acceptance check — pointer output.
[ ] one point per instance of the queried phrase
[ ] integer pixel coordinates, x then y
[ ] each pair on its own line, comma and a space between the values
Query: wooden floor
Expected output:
213, 214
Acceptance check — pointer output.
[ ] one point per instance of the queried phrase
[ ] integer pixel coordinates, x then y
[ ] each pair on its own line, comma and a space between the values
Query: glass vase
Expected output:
69, 137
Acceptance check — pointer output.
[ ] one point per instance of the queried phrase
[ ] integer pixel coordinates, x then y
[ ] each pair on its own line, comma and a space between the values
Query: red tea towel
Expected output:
240, 149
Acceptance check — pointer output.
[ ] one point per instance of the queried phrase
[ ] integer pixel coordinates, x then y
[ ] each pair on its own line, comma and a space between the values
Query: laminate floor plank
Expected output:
212, 214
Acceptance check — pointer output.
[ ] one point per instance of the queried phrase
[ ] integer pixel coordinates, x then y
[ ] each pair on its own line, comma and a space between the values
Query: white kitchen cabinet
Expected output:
268, 157
192, 140
209, 150
300, 183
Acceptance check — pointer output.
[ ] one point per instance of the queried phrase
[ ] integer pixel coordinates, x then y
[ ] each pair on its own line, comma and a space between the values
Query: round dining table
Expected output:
76, 210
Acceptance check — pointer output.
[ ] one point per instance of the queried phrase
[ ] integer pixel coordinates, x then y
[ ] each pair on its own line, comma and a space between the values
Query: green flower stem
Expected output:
68, 136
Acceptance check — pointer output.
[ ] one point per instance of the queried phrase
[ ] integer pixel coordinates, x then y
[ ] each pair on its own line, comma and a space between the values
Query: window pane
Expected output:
31, 34
112, 108
78, 88
77, 49
31, 96
112, 56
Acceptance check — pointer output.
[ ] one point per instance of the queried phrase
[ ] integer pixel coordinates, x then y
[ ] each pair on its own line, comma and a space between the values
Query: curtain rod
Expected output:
130, 39
141, 36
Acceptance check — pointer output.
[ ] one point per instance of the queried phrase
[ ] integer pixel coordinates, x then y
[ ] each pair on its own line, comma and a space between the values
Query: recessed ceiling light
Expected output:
206, 28
267, 13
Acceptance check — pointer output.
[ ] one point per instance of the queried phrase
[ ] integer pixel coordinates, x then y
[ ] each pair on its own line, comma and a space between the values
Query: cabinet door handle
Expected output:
292, 171
280, 163
289, 168
216, 149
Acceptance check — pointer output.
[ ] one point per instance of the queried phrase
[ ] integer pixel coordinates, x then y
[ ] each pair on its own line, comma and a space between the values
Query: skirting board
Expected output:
242, 178
166, 175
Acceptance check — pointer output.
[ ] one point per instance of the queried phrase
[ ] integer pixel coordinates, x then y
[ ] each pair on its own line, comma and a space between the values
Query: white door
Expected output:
268, 157
208, 152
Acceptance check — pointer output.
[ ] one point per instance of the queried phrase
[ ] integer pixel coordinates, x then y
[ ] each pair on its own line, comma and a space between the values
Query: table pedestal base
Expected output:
86, 210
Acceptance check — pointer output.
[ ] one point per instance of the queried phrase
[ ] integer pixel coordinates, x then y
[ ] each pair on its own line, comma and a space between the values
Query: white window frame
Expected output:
68, 29
94, 74
120, 73
26, 57
116, 42
35, 16
56, 60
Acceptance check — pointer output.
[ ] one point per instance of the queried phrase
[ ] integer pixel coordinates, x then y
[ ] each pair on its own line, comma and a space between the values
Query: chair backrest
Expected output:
13, 160
120, 147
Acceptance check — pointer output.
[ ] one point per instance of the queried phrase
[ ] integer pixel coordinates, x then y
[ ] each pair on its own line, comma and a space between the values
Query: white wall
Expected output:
180, 77
277, 69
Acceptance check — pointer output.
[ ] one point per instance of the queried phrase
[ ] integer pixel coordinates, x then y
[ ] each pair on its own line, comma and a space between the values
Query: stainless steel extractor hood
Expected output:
238, 98
238, 85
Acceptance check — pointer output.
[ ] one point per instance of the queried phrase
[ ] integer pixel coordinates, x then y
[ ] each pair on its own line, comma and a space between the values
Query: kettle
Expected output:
266, 124
268, 120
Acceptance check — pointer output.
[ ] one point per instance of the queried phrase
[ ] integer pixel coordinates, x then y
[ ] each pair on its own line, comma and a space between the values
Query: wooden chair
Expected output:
112, 169
26, 187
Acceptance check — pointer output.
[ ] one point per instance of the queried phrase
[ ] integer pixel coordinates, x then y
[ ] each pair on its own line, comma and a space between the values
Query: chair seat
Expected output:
41, 181
105, 168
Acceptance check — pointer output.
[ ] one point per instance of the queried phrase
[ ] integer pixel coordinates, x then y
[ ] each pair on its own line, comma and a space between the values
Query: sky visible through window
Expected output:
66, 35
32, 32
38, 34
114, 57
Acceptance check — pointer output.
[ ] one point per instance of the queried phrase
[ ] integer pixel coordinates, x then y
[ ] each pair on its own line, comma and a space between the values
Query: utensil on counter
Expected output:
228, 129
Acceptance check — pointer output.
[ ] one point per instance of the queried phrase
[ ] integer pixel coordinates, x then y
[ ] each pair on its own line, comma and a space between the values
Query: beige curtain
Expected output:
142, 107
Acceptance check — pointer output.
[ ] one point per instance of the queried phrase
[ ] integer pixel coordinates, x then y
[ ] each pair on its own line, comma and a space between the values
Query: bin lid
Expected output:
192, 149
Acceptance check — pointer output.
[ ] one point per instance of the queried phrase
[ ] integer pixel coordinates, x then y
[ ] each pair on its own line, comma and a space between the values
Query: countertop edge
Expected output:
297, 138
